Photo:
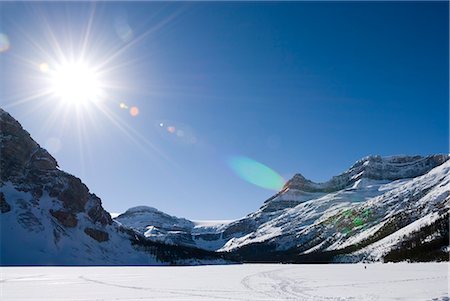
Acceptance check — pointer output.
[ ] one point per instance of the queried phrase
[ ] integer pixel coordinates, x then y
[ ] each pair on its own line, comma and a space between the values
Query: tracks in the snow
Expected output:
280, 284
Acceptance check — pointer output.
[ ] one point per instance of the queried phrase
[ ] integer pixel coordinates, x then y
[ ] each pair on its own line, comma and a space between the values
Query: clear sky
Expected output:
298, 87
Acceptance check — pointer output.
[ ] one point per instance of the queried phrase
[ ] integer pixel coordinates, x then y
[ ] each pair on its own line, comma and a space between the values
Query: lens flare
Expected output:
256, 173
4, 42
176, 132
134, 111
123, 29
44, 67
171, 129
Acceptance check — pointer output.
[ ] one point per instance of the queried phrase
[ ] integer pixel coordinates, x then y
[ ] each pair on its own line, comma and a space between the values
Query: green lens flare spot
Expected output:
358, 222
256, 173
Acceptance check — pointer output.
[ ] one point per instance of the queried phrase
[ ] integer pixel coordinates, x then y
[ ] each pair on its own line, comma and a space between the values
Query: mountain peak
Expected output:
141, 209
298, 182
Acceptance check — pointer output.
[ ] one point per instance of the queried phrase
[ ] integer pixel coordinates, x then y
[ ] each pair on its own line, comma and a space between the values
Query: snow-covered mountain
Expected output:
50, 217
159, 226
372, 220
380, 208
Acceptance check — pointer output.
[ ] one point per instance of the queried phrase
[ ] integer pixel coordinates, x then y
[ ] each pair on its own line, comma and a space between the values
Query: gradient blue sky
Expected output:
298, 86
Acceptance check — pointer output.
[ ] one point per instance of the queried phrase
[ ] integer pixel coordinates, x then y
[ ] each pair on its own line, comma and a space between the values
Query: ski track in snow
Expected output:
425, 281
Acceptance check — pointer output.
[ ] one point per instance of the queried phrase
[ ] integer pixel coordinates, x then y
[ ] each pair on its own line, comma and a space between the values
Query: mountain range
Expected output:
381, 209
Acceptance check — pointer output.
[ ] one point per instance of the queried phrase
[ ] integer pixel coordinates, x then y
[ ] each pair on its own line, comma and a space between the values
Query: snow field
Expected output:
402, 281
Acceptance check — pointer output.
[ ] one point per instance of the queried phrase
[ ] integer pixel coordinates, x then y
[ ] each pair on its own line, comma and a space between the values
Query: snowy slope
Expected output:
32, 235
306, 213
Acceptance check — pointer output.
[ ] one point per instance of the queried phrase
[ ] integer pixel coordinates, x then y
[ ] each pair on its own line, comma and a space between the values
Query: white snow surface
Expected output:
211, 223
401, 281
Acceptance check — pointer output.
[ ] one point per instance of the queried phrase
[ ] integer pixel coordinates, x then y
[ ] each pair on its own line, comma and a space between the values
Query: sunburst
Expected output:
77, 77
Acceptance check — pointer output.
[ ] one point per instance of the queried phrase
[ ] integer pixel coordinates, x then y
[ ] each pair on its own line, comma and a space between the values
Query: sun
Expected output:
75, 83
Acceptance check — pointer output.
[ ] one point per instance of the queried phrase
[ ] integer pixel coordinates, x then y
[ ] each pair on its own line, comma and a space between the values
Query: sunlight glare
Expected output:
75, 83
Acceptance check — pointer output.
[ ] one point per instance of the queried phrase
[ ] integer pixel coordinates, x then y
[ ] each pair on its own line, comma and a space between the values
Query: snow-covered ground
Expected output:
424, 281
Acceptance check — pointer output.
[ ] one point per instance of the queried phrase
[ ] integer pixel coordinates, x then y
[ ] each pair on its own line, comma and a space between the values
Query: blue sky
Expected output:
297, 86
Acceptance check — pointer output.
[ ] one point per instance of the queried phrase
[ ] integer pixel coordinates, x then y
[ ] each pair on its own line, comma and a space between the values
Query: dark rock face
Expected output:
66, 219
278, 205
299, 182
4, 206
96, 212
41, 159
75, 195
243, 226
98, 235
19, 151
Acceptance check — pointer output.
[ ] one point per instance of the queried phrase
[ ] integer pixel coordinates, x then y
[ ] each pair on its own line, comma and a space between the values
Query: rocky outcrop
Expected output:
75, 195
19, 152
67, 219
299, 182
41, 159
96, 213
96, 234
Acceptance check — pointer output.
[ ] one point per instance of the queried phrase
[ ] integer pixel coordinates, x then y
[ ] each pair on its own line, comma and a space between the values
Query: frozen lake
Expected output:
427, 281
